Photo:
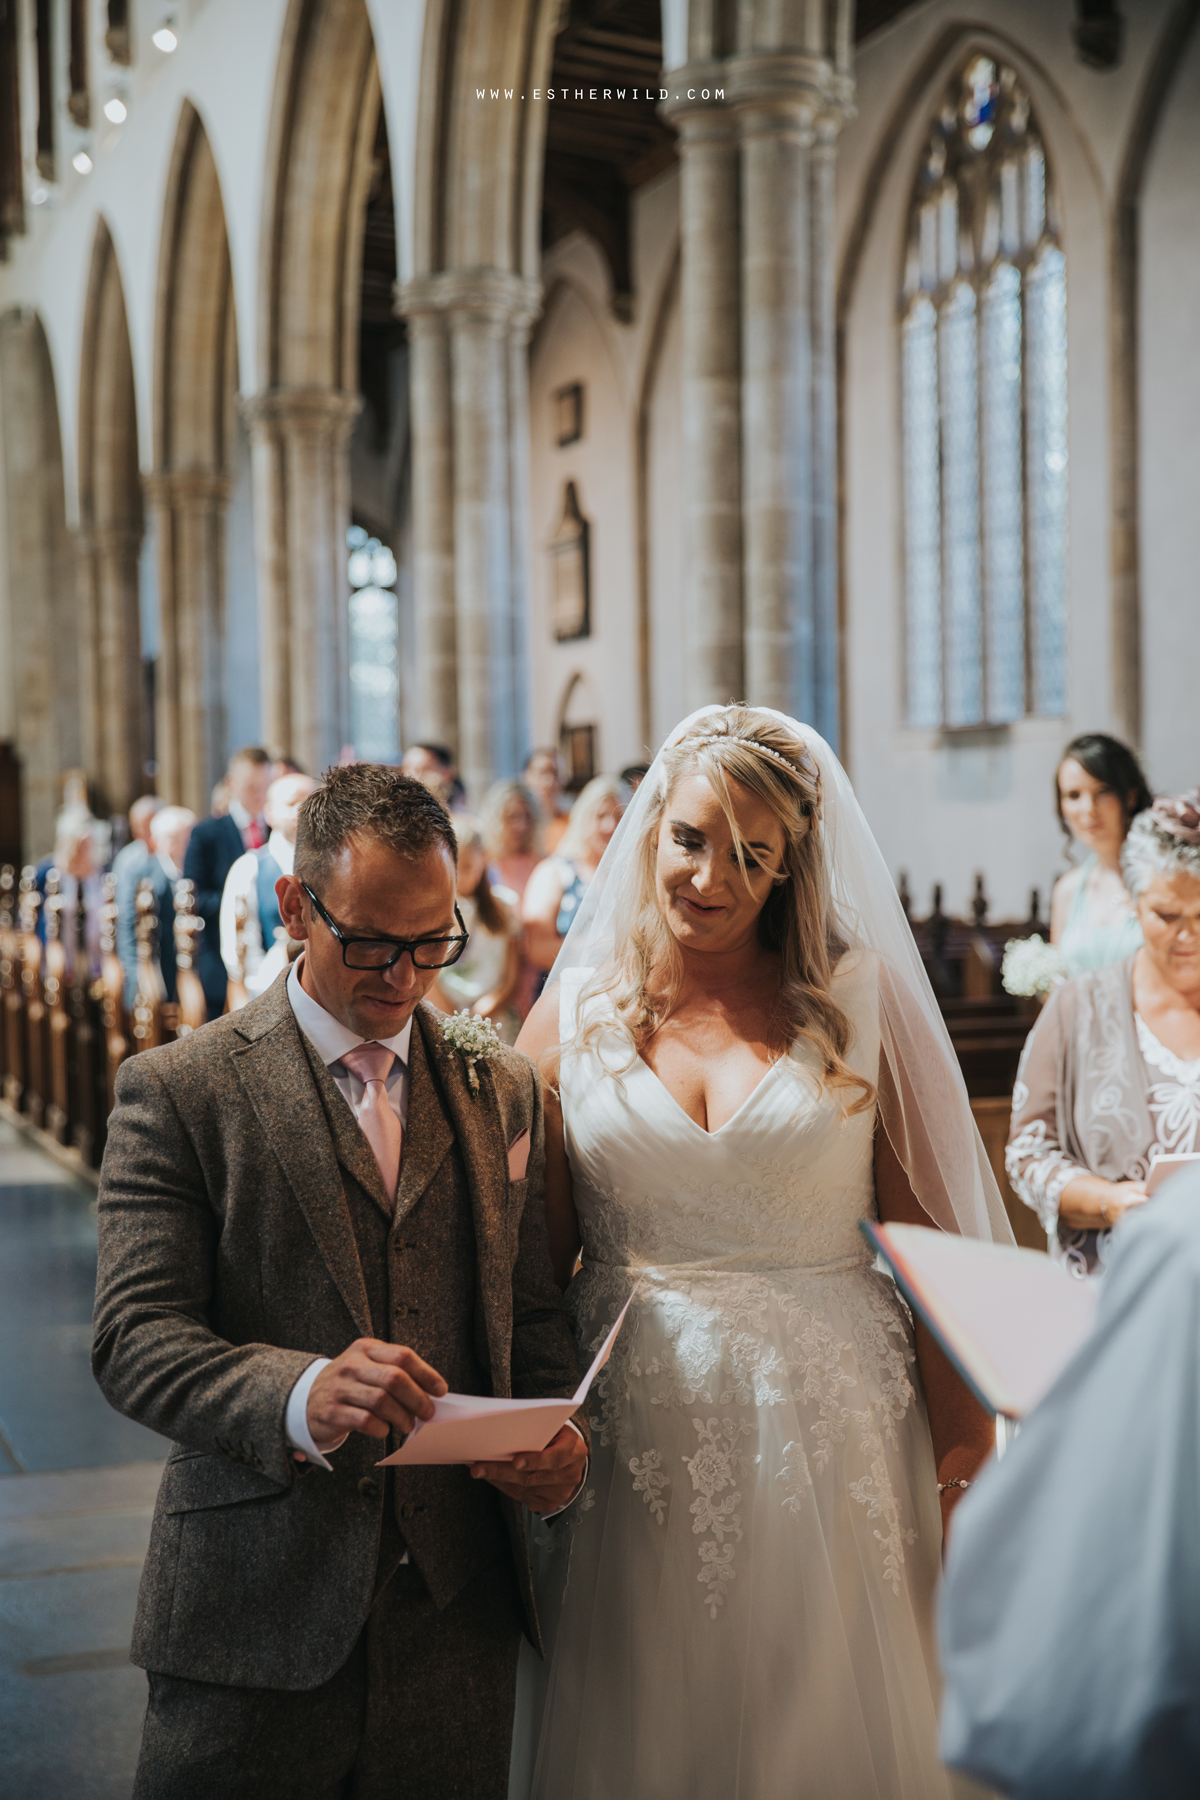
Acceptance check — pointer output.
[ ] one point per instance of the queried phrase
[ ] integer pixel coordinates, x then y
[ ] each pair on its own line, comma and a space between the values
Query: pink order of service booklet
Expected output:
1010, 1320
467, 1428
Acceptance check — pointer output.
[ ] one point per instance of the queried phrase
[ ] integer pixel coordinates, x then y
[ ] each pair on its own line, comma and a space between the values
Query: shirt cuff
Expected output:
295, 1419
587, 1464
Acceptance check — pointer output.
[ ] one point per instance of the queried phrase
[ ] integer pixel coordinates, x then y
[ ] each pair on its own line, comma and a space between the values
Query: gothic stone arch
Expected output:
116, 740
319, 170
195, 370
41, 651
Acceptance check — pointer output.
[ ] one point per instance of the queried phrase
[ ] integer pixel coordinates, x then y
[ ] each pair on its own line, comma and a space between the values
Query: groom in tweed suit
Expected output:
310, 1223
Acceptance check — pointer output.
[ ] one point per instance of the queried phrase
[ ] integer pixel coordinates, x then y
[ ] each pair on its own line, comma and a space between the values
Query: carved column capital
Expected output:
494, 295
699, 103
301, 412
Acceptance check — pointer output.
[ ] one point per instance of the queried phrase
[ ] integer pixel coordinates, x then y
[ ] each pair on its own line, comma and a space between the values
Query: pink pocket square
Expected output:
518, 1156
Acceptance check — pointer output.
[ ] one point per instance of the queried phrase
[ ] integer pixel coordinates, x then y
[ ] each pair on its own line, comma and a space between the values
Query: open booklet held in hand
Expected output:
468, 1428
1010, 1320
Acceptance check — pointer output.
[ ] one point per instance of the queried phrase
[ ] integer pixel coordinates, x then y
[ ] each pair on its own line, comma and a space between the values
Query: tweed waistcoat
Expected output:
420, 1271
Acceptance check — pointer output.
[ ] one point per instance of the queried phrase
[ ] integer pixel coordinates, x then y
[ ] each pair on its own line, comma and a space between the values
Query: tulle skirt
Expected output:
740, 1606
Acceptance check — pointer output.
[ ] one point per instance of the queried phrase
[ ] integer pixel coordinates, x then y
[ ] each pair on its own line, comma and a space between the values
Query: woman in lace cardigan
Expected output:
1110, 1075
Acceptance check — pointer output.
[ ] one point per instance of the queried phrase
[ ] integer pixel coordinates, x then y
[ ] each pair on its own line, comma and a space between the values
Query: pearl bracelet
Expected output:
956, 1483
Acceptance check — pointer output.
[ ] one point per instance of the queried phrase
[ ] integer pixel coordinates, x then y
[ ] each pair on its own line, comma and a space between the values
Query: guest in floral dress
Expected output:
1110, 1074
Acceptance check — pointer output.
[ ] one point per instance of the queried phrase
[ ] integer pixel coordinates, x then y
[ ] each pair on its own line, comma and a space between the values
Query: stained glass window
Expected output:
984, 367
374, 659
922, 511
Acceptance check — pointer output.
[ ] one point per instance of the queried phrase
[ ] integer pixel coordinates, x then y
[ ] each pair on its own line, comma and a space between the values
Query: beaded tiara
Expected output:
733, 737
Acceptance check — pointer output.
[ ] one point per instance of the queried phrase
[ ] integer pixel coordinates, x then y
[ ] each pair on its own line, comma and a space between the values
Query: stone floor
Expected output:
77, 1486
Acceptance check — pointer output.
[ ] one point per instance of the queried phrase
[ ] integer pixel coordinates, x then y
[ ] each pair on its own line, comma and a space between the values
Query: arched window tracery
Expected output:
984, 406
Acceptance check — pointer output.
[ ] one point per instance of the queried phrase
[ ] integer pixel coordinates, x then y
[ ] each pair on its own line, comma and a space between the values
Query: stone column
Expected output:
87, 605
712, 424
775, 108
826, 683
521, 710
300, 467
475, 549
190, 697
433, 525
120, 736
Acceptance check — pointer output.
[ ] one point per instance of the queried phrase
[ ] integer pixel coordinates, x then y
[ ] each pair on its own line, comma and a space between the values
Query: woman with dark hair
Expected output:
1099, 787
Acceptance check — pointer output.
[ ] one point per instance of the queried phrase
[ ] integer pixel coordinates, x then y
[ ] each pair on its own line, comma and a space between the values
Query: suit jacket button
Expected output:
368, 1487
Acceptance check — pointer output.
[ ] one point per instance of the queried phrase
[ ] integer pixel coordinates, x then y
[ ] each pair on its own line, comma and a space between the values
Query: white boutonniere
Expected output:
474, 1038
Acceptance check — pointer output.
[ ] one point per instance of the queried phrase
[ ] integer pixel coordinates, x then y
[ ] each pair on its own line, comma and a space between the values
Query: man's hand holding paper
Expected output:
372, 1387
543, 1480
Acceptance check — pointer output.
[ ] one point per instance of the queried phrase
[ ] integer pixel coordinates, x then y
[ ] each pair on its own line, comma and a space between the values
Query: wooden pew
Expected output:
152, 1020
112, 995
188, 990
12, 1022
33, 1005
55, 983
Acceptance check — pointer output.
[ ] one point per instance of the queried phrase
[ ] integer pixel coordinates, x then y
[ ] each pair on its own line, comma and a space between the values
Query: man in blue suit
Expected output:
215, 846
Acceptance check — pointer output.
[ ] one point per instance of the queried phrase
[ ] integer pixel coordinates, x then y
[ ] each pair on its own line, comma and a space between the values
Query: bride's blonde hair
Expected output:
797, 920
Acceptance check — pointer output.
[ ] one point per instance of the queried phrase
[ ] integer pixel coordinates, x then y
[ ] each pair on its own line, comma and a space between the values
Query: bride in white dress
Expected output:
740, 1604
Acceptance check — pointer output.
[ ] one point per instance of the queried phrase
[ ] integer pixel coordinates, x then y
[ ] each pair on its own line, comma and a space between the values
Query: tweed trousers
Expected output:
421, 1710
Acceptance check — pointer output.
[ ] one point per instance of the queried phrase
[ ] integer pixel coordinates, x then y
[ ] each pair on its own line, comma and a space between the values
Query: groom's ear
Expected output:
290, 895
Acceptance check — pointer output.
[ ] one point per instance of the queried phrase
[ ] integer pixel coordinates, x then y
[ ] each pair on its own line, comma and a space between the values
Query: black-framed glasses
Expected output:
383, 953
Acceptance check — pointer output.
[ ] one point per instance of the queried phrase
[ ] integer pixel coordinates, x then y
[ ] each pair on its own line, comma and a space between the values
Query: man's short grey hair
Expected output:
72, 826
167, 822
1150, 851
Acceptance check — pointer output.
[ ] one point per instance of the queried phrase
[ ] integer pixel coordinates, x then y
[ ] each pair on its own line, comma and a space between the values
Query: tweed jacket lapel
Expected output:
278, 1074
428, 1133
474, 1119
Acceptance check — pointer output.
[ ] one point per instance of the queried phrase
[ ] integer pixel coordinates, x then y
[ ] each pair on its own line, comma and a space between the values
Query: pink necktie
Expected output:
372, 1063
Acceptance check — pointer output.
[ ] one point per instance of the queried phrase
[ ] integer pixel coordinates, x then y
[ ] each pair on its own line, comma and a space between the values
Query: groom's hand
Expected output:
542, 1480
371, 1387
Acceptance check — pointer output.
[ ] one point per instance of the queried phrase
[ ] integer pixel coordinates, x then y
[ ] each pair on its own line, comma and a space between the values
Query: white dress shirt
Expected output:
261, 963
243, 821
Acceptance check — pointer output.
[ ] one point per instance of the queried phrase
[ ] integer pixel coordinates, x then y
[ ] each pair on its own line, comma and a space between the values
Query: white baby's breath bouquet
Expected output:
1031, 967
474, 1038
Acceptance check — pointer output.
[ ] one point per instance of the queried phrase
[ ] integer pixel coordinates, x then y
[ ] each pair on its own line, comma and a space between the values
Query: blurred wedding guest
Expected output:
434, 767
257, 953
542, 778
485, 978
215, 847
1110, 1074
1070, 1611
170, 829
510, 832
137, 852
632, 777
78, 857
1098, 789
557, 885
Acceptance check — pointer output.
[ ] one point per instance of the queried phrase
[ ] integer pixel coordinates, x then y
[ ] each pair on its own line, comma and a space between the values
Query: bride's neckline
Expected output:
704, 1131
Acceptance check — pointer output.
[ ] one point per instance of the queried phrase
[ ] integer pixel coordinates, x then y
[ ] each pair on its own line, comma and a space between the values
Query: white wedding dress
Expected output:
741, 1606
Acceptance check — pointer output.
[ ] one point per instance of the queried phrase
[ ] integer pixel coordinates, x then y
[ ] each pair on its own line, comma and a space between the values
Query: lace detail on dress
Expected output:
875, 1492
650, 1482
1175, 1102
743, 1341
796, 1477
715, 1467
